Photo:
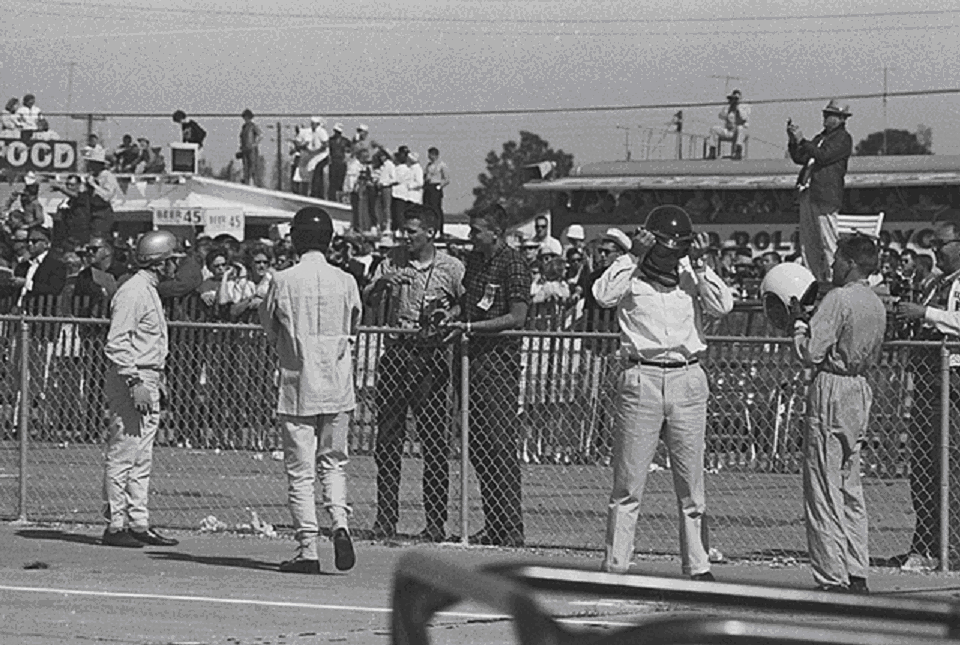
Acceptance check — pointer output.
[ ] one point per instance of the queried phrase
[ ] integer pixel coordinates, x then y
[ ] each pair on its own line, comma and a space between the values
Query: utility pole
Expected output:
70, 67
89, 118
279, 157
626, 141
678, 121
883, 150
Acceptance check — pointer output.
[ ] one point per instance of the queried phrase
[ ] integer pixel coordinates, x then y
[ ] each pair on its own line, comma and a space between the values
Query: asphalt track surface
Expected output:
225, 589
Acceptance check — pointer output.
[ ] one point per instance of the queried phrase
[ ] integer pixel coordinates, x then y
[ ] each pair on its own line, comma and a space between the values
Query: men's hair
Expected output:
11, 103
214, 254
29, 97
908, 253
541, 218
427, 216
248, 113
179, 116
773, 255
433, 151
495, 216
860, 250
39, 229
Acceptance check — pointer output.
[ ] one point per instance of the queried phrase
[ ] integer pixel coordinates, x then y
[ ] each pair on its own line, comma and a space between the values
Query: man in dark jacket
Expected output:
824, 161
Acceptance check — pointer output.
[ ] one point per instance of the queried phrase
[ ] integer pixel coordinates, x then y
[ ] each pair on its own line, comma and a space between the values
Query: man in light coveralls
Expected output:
311, 314
137, 348
662, 289
842, 342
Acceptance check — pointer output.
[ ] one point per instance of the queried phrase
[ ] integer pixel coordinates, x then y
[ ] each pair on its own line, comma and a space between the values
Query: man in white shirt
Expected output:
316, 157
399, 200
662, 289
28, 116
415, 181
735, 117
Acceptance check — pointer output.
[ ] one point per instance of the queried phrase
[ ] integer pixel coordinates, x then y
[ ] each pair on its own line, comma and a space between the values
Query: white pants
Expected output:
736, 135
675, 400
311, 445
129, 458
818, 237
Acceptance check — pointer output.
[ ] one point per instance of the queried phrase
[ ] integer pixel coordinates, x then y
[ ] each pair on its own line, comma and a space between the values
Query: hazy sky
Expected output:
346, 58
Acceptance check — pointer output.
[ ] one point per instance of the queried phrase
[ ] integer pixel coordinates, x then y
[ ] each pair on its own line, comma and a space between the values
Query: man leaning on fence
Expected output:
311, 314
842, 342
136, 348
496, 298
938, 313
662, 290
423, 286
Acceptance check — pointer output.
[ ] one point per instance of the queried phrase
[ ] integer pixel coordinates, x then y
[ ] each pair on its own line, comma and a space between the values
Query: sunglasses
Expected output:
218, 265
605, 251
261, 262
35, 240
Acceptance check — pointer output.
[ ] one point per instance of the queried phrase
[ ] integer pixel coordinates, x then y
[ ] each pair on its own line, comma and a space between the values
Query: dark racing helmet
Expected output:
311, 230
671, 226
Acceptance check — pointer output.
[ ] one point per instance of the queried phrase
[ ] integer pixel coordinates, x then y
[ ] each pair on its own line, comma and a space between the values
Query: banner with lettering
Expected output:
38, 156
215, 221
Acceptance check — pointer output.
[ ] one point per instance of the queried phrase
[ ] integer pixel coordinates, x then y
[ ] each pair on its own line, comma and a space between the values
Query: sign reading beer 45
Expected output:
39, 156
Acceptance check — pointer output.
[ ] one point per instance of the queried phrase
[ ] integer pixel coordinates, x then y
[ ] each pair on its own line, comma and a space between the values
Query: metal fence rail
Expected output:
541, 404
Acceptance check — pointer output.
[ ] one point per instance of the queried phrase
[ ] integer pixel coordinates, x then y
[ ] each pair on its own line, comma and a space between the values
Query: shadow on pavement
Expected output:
219, 561
62, 536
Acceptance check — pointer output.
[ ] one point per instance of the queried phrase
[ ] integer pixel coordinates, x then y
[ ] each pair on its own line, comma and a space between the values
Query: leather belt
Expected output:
666, 365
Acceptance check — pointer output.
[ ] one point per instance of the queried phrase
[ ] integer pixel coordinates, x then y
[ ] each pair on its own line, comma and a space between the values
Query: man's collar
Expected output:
40, 258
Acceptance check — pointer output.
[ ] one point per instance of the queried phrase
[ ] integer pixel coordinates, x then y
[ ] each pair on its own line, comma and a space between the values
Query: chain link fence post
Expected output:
464, 440
944, 457
24, 425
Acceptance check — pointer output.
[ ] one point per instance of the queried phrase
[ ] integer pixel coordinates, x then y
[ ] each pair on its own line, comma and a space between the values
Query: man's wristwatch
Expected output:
133, 381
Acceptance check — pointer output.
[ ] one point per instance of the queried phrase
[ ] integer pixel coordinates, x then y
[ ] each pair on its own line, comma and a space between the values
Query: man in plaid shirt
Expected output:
496, 297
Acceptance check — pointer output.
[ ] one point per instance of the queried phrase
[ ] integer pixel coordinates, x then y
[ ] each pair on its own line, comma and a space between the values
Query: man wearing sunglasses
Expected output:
938, 313
44, 274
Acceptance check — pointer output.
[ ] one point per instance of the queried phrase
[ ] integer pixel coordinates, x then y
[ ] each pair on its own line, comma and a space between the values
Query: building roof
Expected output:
753, 174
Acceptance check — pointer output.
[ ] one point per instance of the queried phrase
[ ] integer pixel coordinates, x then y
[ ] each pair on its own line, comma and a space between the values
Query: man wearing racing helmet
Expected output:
137, 347
311, 314
662, 289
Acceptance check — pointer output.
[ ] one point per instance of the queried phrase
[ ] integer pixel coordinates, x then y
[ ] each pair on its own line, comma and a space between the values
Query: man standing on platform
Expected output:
436, 180
824, 160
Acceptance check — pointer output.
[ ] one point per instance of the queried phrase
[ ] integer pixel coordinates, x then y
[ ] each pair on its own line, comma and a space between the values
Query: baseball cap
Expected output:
338, 127
619, 238
550, 246
319, 120
575, 232
363, 128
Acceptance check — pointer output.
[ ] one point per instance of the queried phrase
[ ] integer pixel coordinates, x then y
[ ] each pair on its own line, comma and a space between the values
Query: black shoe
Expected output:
343, 556
382, 531
706, 576
434, 534
489, 538
121, 538
300, 565
858, 585
151, 537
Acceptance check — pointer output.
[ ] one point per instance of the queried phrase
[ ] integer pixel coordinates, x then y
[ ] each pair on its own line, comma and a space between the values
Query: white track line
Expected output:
284, 603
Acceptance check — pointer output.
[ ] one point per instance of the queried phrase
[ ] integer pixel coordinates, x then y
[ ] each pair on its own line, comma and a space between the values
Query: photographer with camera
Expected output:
662, 290
423, 286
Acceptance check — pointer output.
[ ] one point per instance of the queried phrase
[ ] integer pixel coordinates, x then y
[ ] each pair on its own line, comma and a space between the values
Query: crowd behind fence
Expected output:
218, 445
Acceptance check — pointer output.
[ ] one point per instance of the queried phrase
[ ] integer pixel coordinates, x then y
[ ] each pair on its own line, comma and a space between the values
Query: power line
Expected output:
484, 32
85, 4
569, 110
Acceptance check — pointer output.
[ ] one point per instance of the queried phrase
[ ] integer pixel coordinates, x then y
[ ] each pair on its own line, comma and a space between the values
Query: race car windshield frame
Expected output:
425, 584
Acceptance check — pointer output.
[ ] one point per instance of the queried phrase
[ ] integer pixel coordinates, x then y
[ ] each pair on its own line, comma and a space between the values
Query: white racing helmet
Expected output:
783, 282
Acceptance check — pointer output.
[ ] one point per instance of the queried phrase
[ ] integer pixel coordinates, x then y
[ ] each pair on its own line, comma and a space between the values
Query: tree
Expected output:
898, 142
503, 181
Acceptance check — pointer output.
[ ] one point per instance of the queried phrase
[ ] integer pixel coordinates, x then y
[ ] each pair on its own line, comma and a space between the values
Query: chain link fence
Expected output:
540, 414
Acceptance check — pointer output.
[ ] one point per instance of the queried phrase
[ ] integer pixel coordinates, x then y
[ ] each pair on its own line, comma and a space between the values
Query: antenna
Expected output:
626, 141
726, 80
